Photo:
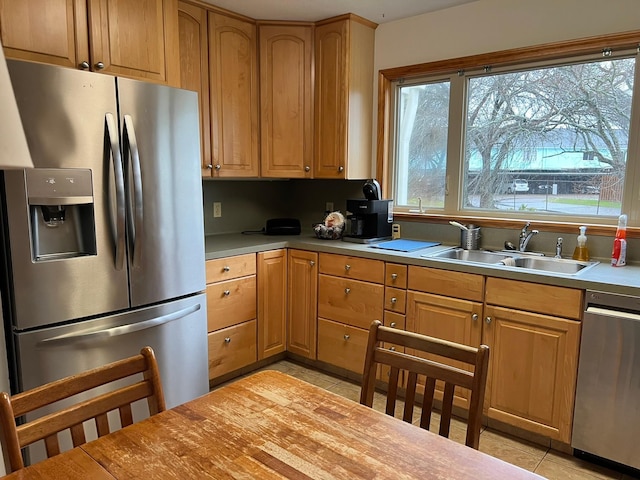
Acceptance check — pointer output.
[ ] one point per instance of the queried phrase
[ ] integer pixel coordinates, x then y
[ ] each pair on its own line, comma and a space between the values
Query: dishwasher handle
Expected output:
70, 338
608, 312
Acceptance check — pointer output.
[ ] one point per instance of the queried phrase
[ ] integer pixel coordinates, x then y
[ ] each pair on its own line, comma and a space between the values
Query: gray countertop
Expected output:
604, 277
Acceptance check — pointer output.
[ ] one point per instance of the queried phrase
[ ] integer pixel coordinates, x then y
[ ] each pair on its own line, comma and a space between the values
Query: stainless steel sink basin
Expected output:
517, 260
479, 256
556, 265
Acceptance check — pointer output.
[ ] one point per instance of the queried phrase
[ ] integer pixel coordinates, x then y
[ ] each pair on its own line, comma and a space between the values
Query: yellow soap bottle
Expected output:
581, 251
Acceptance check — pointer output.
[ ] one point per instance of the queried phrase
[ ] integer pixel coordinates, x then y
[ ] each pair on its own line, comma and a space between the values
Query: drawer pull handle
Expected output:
393, 325
474, 317
394, 276
347, 336
227, 339
312, 263
394, 300
393, 349
347, 267
227, 293
488, 320
226, 268
347, 290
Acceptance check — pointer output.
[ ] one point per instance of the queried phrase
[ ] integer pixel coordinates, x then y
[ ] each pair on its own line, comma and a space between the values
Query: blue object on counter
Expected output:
404, 245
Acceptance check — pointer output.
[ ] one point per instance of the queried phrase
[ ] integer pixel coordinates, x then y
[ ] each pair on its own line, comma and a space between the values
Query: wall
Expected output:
247, 204
491, 25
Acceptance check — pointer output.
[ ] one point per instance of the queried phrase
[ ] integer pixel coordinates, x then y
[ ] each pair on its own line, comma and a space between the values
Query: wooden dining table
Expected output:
271, 425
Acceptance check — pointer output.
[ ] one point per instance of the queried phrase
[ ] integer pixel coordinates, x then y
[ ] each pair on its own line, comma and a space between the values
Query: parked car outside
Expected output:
518, 185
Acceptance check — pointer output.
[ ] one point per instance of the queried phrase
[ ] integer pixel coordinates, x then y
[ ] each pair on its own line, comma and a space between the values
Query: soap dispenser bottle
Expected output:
581, 251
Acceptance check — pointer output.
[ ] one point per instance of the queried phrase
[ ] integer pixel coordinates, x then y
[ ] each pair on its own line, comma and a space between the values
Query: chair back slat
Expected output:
72, 417
411, 360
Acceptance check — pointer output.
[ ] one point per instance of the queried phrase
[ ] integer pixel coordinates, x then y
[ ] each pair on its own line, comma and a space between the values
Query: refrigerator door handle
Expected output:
70, 338
135, 197
118, 176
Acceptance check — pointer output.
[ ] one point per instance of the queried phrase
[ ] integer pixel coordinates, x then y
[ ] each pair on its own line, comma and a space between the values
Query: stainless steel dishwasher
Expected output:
606, 419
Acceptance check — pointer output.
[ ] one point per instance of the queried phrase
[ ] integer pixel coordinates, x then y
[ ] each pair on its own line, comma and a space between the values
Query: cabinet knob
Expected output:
394, 300
341, 169
226, 293
347, 290
226, 268
347, 336
474, 317
394, 276
210, 166
307, 168
347, 267
312, 263
227, 339
99, 65
488, 320
393, 349
84, 65
393, 325
218, 166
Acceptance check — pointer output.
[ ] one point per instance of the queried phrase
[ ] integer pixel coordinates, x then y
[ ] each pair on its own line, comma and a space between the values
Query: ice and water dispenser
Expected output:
61, 213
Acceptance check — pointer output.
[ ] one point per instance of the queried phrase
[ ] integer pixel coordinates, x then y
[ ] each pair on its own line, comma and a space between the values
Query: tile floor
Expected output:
544, 461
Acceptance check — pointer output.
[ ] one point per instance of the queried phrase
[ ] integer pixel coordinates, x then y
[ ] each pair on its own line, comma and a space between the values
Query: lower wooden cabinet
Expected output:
342, 345
302, 303
533, 369
272, 302
232, 348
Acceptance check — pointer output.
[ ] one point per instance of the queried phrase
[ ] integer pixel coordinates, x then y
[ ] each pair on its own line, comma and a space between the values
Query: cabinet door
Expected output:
47, 31
272, 302
302, 301
331, 43
286, 145
135, 39
449, 319
233, 82
194, 70
533, 369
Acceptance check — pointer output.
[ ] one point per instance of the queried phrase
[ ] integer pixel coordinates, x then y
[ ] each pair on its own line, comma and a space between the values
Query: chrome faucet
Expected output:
559, 248
525, 236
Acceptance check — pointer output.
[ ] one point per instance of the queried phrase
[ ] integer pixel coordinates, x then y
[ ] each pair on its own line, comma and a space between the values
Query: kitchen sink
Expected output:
517, 260
558, 265
479, 256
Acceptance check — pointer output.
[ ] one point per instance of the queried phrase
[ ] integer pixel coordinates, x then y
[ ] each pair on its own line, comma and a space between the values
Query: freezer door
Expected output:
161, 151
67, 116
177, 332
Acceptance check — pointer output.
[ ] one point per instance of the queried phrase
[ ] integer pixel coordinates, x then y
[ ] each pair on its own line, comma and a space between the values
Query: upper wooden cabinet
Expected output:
194, 70
133, 39
233, 87
343, 98
286, 100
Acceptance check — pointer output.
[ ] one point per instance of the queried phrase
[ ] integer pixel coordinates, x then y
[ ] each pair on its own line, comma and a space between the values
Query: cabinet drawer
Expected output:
228, 268
232, 348
342, 345
230, 303
443, 282
394, 320
534, 297
395, 299
352, 267
395, 275
349, 301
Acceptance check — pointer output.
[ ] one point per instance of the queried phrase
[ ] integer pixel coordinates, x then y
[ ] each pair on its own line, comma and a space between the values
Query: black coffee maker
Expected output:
369, 219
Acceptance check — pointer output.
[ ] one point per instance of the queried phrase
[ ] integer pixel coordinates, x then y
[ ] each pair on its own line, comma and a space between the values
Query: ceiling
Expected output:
378, 11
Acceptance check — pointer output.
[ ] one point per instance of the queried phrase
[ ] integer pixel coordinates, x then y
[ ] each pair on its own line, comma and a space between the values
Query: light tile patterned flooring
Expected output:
544, 461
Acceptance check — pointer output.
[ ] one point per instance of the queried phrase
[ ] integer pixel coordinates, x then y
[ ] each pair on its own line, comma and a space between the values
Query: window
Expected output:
547, 139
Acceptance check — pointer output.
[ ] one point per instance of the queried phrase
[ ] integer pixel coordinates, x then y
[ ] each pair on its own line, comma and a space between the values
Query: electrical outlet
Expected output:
328, 206
217, 209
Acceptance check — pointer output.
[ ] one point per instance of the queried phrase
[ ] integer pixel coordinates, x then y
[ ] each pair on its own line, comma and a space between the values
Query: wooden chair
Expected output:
474, 381
14, 437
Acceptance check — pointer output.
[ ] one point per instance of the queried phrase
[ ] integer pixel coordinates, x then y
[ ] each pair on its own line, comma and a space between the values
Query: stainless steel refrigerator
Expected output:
103, 241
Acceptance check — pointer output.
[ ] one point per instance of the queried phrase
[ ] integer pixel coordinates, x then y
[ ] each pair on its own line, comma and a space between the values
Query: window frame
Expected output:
515, 58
